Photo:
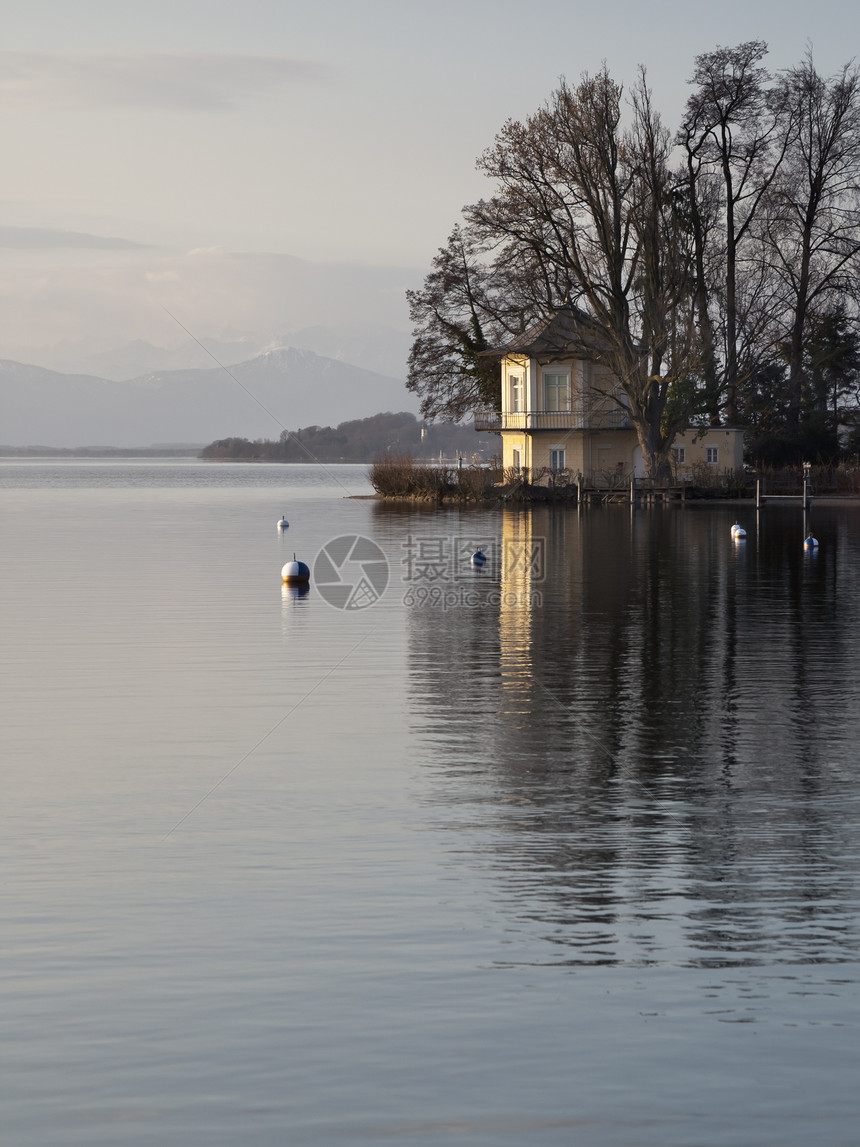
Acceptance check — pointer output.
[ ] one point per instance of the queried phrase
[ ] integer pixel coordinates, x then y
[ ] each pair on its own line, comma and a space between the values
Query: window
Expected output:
680, 454
556, 458
712, 455
516, 384
517, 458
556, 391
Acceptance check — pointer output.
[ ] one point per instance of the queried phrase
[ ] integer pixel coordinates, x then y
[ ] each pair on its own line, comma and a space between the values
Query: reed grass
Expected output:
400, 476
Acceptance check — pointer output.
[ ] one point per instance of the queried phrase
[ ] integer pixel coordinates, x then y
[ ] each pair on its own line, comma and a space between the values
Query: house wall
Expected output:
516, 440
600, 453
572, 442
520, 366
585, 451
583, 375
729, 444
610, 452
603, 453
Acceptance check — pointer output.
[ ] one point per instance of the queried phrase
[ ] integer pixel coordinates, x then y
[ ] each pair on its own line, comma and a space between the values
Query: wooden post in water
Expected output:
758, 493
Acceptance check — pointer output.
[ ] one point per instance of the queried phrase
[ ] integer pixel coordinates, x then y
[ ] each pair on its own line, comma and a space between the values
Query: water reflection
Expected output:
656, 752
290, 594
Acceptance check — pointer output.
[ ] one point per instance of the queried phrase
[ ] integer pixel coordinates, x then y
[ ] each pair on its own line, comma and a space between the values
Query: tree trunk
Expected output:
710, 373
731, 409
655, 452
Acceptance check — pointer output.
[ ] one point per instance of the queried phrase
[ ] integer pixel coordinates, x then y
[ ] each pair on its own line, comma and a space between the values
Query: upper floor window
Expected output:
680, 454
712, 455
556, 390
516, 385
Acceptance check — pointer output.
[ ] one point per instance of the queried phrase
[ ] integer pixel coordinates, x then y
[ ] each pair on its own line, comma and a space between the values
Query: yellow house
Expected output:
563, 413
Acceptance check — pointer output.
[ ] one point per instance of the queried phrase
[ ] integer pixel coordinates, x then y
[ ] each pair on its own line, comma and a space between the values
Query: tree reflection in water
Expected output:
656, 757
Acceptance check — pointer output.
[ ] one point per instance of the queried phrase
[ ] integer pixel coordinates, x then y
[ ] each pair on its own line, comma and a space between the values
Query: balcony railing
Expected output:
488, 420
594, 419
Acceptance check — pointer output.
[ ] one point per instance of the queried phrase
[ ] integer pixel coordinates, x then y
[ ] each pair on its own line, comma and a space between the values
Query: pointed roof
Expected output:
570, 332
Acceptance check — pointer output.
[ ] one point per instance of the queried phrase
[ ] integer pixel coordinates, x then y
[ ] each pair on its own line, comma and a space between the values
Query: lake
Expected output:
561, 850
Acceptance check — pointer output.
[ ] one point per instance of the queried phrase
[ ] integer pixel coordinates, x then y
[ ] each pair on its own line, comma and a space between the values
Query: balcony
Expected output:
597, 418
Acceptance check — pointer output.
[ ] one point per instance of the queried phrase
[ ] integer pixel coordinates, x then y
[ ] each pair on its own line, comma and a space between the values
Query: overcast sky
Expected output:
334, 130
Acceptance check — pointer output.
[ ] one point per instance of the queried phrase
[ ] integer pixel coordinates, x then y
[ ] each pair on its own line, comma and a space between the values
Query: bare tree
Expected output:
457, 315
585, 209
735, 133
701, 287
813, 220
699, 201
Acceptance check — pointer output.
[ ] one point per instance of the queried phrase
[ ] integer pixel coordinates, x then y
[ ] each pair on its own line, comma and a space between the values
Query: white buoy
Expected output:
296, 572
479, 558
810, 543
283, 524
738, 531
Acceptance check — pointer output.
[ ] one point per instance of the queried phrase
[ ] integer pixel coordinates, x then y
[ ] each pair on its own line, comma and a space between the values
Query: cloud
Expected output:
108, 298
43, 238
85, 296
201, 82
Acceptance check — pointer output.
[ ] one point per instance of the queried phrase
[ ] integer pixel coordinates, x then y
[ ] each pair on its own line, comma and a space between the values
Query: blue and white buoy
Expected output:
810, 543
738, 531
296, 572
479, 558
283, 524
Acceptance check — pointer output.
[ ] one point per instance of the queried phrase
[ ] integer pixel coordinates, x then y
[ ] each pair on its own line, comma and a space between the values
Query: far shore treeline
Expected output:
360, 440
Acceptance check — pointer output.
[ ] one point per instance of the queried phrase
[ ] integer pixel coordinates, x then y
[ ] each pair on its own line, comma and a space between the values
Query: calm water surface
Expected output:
557, 852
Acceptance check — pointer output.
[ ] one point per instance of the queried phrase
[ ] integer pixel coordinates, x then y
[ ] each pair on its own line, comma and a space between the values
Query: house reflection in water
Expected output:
521, 572
635, 723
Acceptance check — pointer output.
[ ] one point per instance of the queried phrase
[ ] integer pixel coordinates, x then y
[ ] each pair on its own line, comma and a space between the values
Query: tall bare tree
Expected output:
813, 218
698, 200
585, 208
704, 286
735, 134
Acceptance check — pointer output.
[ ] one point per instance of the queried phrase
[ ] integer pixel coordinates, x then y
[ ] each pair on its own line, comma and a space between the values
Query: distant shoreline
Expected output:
10, 453
100, 451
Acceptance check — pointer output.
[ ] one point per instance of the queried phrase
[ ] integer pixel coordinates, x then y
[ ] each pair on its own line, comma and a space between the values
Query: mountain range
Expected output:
282, 388
374, 346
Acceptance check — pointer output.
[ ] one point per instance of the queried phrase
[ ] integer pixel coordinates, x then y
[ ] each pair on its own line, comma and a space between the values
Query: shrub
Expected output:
400, 476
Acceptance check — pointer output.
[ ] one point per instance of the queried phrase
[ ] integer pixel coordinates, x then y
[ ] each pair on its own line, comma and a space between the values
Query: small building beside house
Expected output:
562, 412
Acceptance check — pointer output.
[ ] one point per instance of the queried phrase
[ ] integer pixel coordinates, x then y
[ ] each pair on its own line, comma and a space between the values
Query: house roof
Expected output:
568, 332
